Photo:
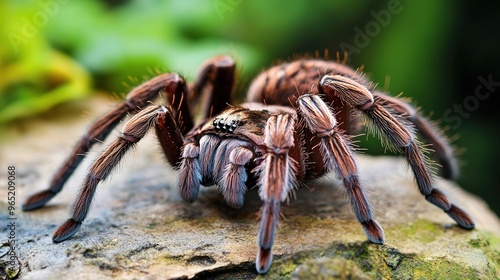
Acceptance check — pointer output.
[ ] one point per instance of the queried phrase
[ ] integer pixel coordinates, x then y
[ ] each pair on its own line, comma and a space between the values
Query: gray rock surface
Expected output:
139, 228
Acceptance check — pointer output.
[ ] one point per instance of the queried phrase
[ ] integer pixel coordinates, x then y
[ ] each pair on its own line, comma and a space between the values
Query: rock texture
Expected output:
139, 228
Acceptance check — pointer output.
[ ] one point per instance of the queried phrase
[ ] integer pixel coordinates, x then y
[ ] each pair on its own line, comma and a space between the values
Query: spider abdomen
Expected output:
280, 83
284, 83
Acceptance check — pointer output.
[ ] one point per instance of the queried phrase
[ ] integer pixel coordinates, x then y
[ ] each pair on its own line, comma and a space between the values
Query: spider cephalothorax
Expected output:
294, 128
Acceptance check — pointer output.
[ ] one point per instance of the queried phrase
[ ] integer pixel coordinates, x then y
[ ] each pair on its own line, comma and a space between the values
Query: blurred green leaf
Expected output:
35, 77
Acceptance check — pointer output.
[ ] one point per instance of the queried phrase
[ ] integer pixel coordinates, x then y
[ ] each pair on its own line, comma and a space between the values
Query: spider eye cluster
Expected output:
223, 124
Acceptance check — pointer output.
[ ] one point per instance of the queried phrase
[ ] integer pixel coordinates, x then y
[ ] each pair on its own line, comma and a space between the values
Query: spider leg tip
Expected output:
66, 230
37, 200
264, 260
461, 217
374, 232
468, 226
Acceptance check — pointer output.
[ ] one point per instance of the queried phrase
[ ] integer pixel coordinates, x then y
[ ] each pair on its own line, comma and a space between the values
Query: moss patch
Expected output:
374, 261
490, 245
422, 230
388, 262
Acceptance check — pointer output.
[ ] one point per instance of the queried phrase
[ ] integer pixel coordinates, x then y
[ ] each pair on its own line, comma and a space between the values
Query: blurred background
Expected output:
442, 54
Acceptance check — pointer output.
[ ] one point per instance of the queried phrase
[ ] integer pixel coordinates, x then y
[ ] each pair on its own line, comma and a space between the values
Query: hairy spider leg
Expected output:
276, 180
217, 74
137, 99
338, 156
396, 132
220, 73
133, 131
429, 132
170, 137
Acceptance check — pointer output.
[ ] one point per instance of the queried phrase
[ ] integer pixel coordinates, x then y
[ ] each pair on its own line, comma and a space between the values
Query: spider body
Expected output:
294, 127
284, 83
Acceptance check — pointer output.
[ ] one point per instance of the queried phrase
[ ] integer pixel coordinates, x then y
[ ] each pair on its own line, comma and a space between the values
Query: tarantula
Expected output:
294, 128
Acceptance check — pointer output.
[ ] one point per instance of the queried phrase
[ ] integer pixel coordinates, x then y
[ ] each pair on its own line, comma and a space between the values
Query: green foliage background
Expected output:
56, 51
